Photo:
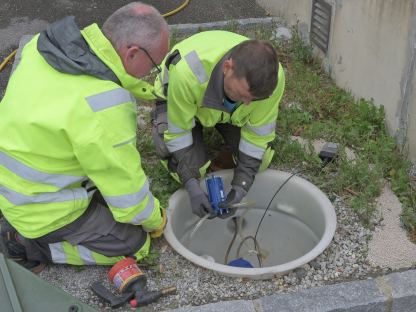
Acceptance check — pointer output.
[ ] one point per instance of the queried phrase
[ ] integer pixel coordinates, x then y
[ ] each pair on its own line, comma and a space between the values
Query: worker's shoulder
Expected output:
213, 38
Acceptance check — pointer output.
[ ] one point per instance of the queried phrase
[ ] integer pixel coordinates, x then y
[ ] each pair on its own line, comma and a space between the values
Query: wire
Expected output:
254, 238
232, 240
183, 5
256, 248
268, 206
7, 59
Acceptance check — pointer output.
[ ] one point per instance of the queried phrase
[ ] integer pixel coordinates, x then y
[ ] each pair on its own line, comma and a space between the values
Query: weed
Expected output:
315, 108
151, 261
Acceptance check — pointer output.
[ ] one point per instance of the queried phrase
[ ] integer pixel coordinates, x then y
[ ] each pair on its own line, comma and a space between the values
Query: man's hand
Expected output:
199, 201
234, 197
159, 231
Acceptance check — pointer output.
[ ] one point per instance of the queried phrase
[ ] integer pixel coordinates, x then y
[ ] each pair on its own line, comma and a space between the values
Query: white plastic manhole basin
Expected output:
297, 228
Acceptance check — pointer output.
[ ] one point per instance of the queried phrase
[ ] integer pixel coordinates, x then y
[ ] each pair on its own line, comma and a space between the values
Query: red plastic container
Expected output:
125, 273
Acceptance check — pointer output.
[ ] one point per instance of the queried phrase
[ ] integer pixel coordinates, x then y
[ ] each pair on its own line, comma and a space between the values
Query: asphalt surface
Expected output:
197, 11
22, 17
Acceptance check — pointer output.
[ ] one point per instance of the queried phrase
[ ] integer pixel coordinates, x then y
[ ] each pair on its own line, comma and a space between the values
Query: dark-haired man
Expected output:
223, 80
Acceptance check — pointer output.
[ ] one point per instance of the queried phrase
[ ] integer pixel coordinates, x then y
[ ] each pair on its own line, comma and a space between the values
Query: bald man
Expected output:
72, 188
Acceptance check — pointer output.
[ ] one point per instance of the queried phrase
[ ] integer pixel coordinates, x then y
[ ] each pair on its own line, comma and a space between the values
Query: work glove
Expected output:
199, 201
234, 197
155, 233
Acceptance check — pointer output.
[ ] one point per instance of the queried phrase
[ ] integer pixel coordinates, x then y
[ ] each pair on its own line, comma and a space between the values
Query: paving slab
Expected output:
390, 246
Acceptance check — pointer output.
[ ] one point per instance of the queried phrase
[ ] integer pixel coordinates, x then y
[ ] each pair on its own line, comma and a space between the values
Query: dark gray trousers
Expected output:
230, 133
96, 230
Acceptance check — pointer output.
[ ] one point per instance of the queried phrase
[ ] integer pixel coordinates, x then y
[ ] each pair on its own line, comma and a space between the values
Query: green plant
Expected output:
151, 261
313, 107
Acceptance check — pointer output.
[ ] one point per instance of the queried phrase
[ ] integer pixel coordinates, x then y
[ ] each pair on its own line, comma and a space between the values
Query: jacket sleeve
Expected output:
256, 136
107, 153
181, 112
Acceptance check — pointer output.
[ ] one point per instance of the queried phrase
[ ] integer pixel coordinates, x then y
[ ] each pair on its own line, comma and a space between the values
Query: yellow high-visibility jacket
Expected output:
192, 85
62, 133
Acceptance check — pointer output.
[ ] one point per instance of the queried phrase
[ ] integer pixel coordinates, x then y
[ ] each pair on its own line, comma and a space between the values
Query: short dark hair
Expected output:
257, 62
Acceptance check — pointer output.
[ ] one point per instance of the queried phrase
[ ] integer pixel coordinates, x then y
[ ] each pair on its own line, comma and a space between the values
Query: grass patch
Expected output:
162, 184
315, 108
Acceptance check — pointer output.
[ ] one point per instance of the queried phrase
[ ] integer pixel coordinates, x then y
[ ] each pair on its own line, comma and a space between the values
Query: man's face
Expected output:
139, 62
235, 89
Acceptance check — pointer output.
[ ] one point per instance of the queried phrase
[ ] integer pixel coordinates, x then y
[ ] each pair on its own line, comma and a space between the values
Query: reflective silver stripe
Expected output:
125, 142
86, 255
262, 130
194, 62
44, 198
34, 175
109, 98
251, 149
129, 200
57, 253
179, 143
146, 212
165, 78
172, 128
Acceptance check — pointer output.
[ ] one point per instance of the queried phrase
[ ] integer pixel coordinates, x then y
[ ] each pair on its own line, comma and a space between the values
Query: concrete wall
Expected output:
290, 10
371, 52
411, 132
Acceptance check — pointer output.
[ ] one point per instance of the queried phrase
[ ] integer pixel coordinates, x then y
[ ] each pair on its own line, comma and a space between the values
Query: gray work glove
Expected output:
199, 201
234, 197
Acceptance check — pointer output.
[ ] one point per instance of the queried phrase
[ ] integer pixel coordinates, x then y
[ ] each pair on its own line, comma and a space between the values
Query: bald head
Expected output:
135, 23
140, 36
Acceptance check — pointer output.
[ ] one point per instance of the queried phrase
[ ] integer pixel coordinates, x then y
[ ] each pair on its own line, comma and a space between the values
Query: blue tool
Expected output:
215, 188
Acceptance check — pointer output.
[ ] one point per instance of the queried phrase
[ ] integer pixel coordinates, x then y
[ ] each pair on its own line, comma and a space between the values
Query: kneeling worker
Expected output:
223, 80
72, 189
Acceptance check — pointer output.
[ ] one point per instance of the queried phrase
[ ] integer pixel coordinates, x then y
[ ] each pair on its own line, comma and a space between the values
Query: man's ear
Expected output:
227, 66
131, 53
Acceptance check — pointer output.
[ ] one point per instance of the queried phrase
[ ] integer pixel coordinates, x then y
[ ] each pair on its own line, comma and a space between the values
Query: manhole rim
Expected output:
257, 273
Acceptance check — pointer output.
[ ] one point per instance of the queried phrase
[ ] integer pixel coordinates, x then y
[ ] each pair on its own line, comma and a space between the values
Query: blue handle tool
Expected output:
215, 188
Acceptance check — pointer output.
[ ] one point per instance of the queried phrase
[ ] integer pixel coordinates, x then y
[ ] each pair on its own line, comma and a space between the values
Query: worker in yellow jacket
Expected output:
224, 80
72, 189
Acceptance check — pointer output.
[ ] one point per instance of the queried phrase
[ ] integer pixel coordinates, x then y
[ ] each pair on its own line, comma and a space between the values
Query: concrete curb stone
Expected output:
224, 306
243, 24
395, 292
403, 286
339, 297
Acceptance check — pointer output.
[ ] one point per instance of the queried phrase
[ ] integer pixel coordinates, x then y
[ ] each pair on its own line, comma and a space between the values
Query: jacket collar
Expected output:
103, 48
214, 94
63, 47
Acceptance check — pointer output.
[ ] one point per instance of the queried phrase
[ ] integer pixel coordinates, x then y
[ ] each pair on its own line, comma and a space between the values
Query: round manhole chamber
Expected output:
298, 226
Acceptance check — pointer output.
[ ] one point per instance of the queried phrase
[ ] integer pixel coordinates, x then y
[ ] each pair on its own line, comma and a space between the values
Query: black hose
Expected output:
256, 248
227, 254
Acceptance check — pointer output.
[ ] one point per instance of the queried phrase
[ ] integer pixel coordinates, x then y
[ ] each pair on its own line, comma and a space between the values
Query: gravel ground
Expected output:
344, 259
